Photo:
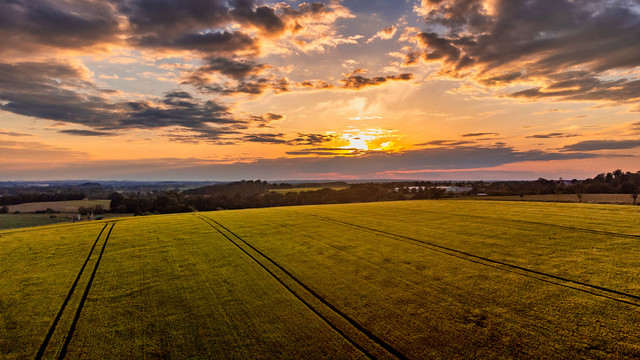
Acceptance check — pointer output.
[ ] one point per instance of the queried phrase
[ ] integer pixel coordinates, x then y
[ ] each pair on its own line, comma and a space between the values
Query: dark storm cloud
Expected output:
173, 24
439, 48
179, 24
86, 132
227, 35
233, 68
595, 145
519, 40
60, 92
220, 42
262, 17
167, 17
31, 25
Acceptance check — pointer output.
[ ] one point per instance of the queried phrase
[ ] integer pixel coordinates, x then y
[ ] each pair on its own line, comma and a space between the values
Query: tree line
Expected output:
616, 182
255, 194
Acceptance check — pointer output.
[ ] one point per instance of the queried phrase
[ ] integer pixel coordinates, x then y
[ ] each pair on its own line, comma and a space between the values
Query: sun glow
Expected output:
361, 141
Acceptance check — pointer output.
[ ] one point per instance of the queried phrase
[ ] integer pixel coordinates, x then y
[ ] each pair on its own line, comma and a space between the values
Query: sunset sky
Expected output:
353, 89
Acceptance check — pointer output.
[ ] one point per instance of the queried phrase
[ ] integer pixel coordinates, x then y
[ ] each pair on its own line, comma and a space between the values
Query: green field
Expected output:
12, 221
70, 206
22, 220
394, 280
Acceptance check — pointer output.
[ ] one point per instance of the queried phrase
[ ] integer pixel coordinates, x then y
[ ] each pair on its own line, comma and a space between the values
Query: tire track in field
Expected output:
372, 337
52, 328
63, 351
495, 263
566, 227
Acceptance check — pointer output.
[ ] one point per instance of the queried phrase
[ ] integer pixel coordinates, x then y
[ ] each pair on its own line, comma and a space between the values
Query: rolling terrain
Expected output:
394, 280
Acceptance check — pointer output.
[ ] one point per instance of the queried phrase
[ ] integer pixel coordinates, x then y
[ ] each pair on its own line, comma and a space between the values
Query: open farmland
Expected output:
395, 280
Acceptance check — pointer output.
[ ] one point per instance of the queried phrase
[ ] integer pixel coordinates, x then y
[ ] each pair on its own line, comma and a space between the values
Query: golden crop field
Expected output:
392, 280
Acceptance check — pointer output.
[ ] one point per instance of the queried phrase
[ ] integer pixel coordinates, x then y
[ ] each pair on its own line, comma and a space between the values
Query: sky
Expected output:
344, 90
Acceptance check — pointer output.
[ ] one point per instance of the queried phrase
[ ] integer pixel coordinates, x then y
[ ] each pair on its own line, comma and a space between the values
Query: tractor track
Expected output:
83, 299
372, 337
52, 328
529, 222
541, 276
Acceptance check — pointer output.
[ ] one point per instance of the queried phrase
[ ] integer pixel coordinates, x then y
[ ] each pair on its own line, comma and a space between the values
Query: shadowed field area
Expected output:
395, 280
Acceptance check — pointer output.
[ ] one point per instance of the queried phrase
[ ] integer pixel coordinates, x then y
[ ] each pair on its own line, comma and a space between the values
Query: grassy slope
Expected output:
37, 268
431, 304
171, 286
167, 287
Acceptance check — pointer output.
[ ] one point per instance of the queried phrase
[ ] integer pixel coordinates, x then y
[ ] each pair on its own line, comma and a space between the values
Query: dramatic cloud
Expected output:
312, 27
313, 139
503, 42
221, 43
86, 132
35, 25
355, 80
480, 134
551, 135
262, 17
193, 25
445, 143
265, 138
595, 145
275, 78
384, 34
372, 165
236, 69
226, 35
62, 92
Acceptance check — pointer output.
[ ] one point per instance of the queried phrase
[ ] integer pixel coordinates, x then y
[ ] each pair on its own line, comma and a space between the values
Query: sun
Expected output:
361, 141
